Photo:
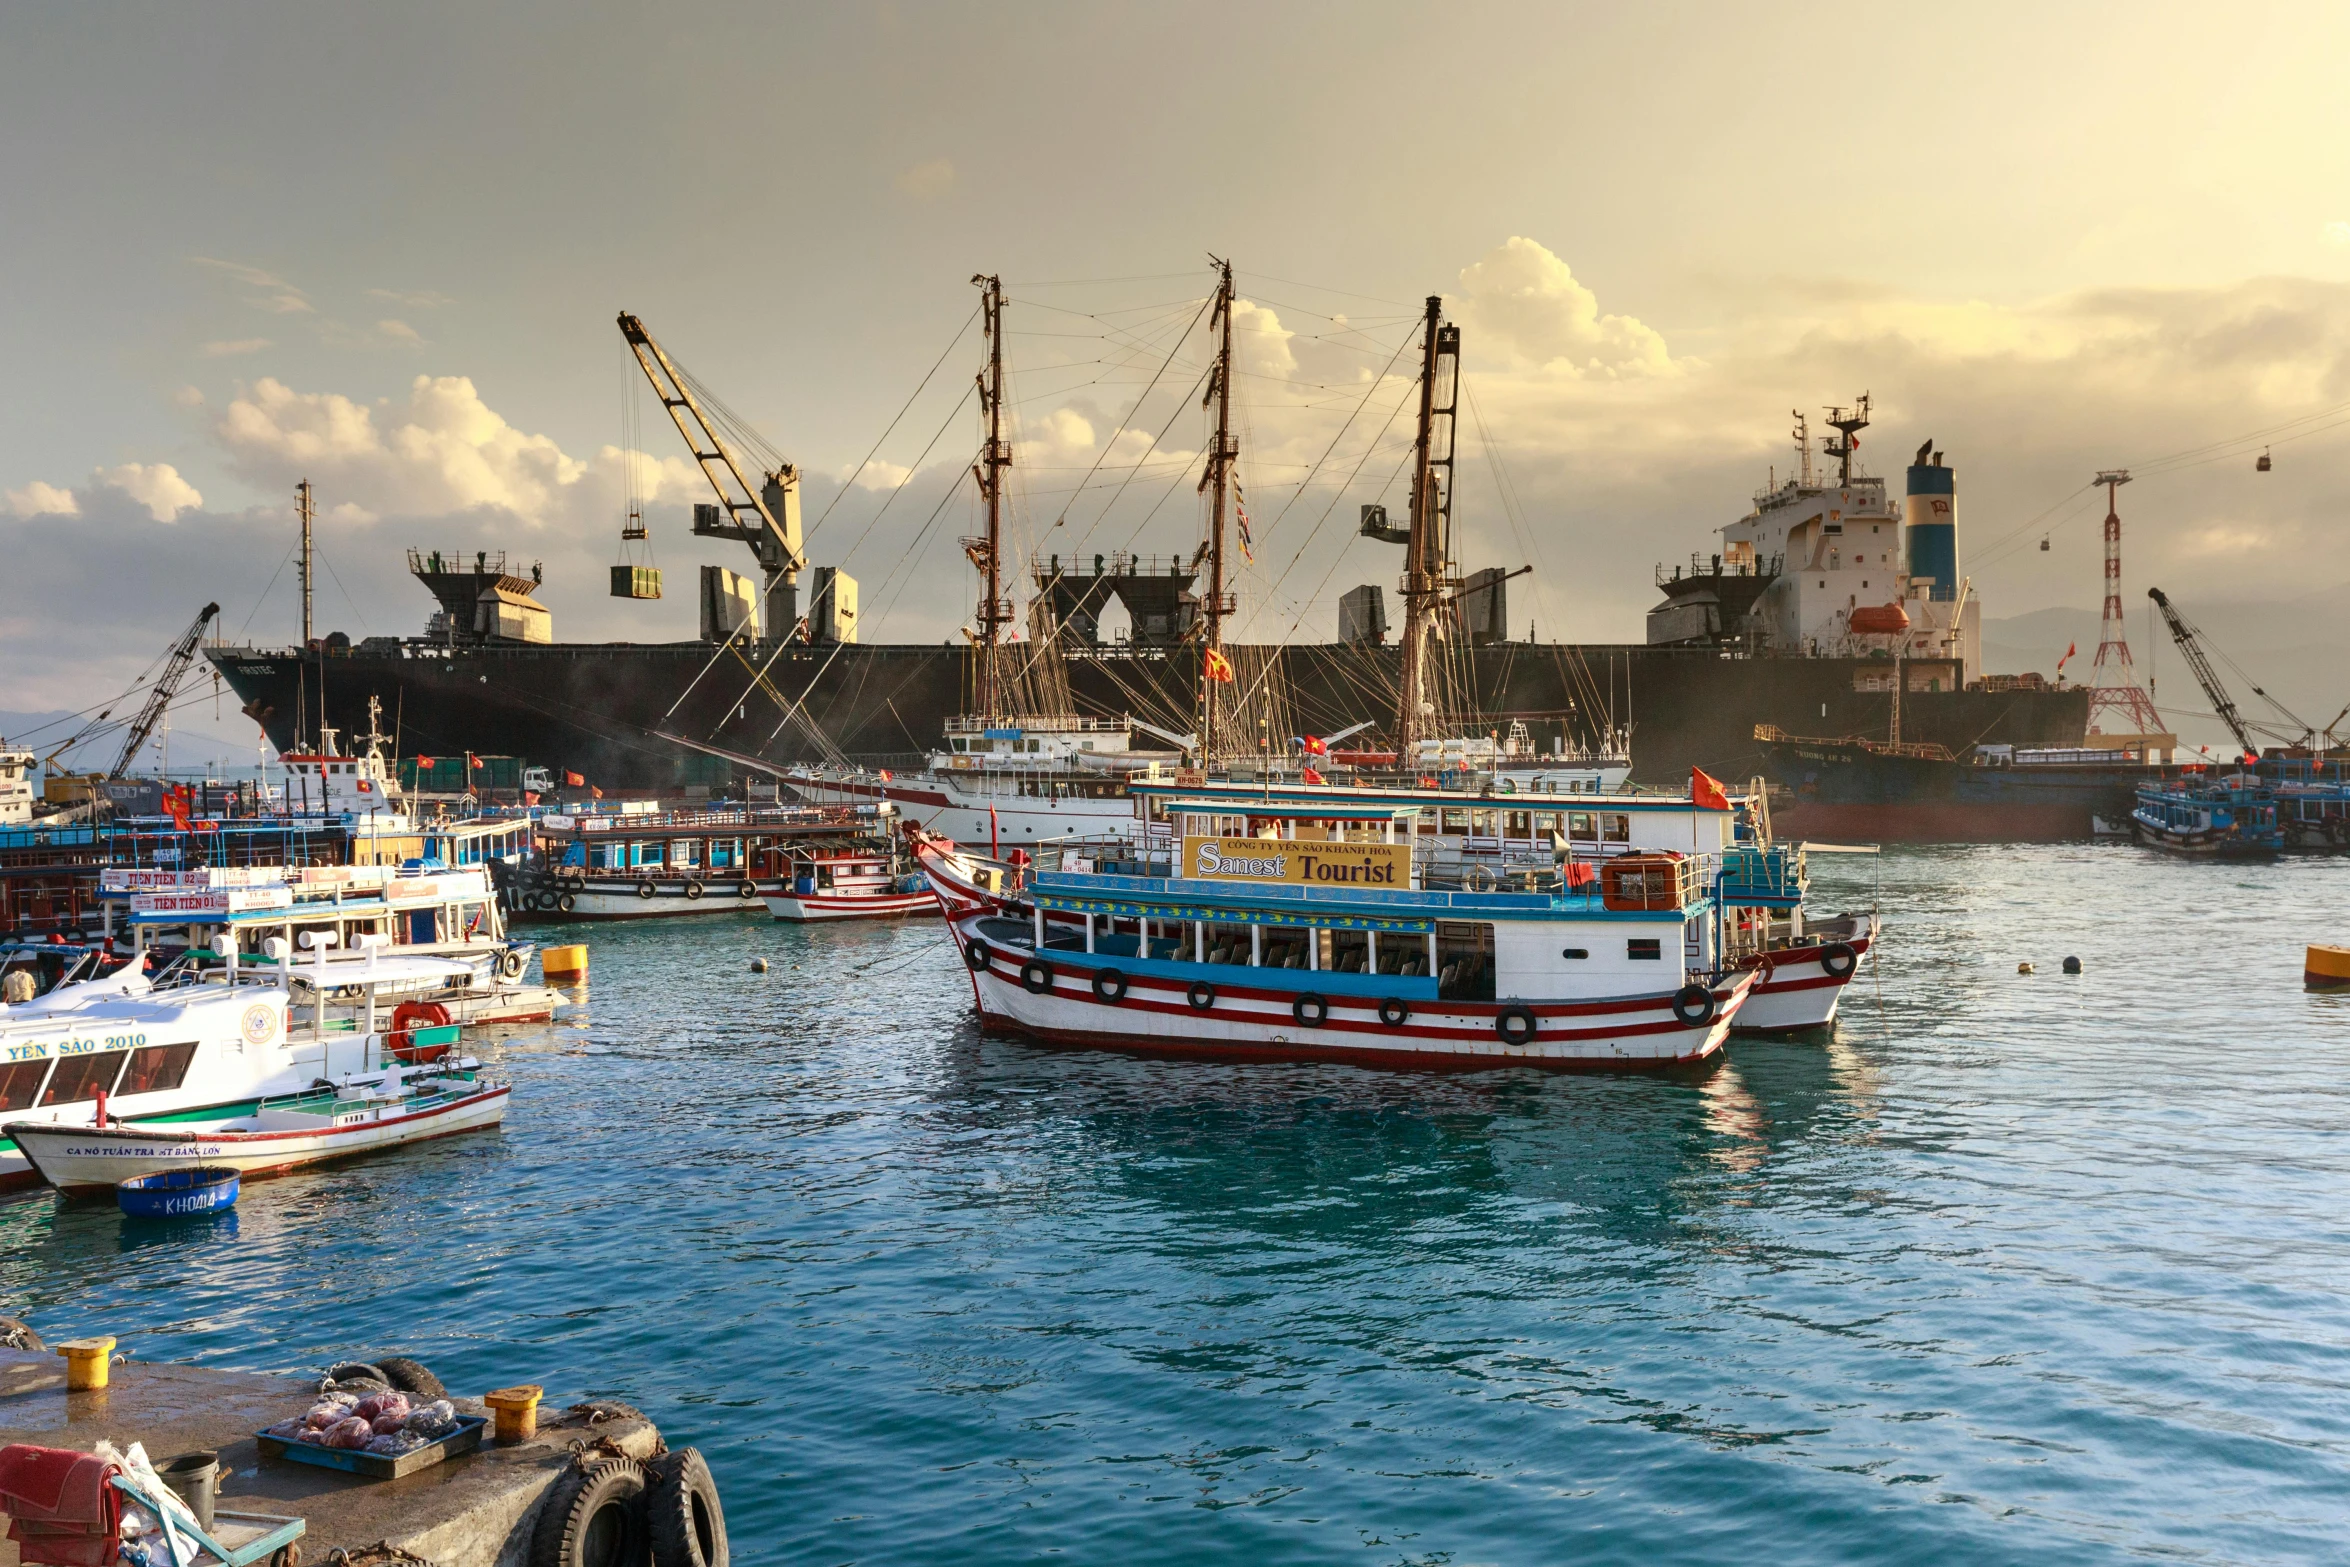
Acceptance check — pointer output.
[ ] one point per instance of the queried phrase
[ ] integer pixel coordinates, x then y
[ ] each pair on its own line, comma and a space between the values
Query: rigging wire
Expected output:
952, 343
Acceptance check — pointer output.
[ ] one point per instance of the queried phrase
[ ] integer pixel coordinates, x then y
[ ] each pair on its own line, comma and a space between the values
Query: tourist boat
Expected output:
849, 884
2214, 818
194, 1047
1324, 942
640, 864
360, 1115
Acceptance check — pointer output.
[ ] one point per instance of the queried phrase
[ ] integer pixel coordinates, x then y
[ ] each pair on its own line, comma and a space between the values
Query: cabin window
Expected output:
1583, 826
688, 852
156, 1069
1521, 824
1428, 819
1456, 819
19, 1081
1576, 952
1615, 827
1228, 944
1481, 823
1644, 947
1402, 952
1346, 951
81, 1077
1464, 961
1546, 822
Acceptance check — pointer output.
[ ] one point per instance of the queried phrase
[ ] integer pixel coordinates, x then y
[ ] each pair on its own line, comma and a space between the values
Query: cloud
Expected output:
879, 475
928, 180
421, 299
156, 486
398, 332
230, 347
1529, 299
38, 499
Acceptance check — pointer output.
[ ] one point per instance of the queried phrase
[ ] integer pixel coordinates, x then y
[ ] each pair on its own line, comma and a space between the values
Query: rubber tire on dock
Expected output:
1109, 985
410, 1376
1516, 1025
1202, 995
357, 1371
1036, 977
1838, 959
976, 955
1693, 1004
682, 1514
1310, 1010
1395, 1011
593, 1516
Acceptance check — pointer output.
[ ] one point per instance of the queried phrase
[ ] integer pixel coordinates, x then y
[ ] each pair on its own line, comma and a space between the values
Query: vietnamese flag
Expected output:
1313, 777
471, 761
1219, 668
426, 763
1705, 792
574, 781
1313, 745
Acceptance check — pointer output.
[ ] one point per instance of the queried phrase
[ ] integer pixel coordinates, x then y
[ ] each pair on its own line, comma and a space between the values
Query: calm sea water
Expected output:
2012, 1269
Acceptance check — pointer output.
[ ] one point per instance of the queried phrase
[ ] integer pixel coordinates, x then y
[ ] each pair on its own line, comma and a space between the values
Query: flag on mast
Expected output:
1219, 668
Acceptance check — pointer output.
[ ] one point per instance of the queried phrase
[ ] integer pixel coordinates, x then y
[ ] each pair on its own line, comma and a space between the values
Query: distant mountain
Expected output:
196, 742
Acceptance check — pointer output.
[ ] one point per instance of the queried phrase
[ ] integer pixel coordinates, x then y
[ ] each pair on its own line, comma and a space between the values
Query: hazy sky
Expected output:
383, 247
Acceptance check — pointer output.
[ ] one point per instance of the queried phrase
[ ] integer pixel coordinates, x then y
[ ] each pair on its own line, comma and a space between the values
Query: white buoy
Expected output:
758, 965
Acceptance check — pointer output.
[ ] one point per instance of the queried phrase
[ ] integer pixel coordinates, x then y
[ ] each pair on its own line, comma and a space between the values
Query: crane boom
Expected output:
767, 517
167, 686
2191, 649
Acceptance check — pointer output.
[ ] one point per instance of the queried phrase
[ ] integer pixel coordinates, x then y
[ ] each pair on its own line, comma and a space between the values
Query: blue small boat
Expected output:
171, 1194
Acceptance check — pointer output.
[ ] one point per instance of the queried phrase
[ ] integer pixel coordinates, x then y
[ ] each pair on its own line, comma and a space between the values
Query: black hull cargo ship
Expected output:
1855, 790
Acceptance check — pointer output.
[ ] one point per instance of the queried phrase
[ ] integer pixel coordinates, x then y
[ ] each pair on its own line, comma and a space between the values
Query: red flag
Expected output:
426, 764
1705, 792
1313, 745
1313, 777
574, 781
471, 761
2070, 648
595, 794
1219, 667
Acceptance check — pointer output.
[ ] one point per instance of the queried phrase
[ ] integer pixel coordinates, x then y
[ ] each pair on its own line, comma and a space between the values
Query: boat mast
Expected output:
988, 553
1426, 559
302, 505
1218, 479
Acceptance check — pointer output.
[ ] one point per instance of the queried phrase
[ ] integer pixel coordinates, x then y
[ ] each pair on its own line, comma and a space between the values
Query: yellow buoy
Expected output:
2327, 968
564, 965
2023, 968
86, 1360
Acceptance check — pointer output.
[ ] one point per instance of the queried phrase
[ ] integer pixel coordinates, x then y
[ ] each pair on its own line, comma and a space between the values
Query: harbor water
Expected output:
2013, 1268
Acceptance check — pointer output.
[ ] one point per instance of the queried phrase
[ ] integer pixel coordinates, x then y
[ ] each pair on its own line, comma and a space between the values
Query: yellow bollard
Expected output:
2326, 968
86, 1360
564, 965
518, 1411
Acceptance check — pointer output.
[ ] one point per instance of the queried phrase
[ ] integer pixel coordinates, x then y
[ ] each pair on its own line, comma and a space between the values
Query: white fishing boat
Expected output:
194, 1048
1324, 942
630, 864
827, 885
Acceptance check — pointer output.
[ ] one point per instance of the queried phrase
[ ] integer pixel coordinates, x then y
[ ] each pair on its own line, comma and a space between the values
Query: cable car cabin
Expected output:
2261, 466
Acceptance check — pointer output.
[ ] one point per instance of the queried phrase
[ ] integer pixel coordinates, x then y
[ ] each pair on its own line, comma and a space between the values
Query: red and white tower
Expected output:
2113, 680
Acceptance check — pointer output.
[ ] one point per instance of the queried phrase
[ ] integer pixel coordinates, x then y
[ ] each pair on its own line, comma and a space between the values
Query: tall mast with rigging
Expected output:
987, 553
1217, 480
1427, 561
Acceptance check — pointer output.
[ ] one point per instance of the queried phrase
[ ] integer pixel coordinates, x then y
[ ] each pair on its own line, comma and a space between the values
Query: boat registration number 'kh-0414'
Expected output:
1298, 860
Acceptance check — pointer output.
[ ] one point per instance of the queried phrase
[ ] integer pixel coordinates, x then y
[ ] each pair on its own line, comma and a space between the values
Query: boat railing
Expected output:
1753, 875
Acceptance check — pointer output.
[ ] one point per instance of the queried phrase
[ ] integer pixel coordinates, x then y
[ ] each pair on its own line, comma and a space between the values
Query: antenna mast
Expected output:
1802, 449
988, 553
302, 505
2116, 688
1847, 438
1427, 566
1217, 478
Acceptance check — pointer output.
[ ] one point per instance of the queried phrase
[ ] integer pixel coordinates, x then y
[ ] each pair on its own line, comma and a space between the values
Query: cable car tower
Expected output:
2113, 679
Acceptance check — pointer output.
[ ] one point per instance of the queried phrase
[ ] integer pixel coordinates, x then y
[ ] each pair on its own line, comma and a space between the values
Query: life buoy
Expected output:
693, 890
1310, 1010
644, 889
1202, 995
1693, 1004
976, 953
1479, 878
1109, 985
1515, 1025
566, 903
746, 889
510, 964
400, 1039
1838, 959
1395, 1011
1036, 977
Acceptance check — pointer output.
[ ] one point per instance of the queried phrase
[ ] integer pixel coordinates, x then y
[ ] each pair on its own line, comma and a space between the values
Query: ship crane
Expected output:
167, 686
767, 517
2190, 643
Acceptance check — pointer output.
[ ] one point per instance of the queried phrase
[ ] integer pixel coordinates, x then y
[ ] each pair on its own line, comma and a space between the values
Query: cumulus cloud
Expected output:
926, 180
38, 499
156, 486
228, 348
1530, 302
879, 474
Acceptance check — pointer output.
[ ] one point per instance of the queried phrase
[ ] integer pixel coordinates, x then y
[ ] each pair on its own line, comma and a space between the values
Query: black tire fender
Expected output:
746, 889
1515, 1024
1395, 1011
682, 1515
567, 903
977, 954
644, 889
1693, 1004
693, 890
1310, 1010
593, 1516
1202, 995
1109, 985
1838, 958
411, 1376
357, 1371
1036, 977
510, 965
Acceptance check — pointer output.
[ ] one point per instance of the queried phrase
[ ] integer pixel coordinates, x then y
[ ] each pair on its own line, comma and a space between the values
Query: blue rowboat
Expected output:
170, 1194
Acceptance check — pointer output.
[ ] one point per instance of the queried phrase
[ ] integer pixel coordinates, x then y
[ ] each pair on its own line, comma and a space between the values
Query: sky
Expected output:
383, 248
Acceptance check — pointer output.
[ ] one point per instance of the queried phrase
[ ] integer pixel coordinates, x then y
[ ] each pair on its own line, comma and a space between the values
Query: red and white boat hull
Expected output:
1800, 987
819, 907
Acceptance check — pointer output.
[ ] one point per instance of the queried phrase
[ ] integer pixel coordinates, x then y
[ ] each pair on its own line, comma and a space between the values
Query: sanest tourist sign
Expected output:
1298, 860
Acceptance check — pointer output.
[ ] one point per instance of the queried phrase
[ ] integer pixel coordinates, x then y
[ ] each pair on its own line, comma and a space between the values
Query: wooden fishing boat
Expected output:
1324, 942
823, 885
